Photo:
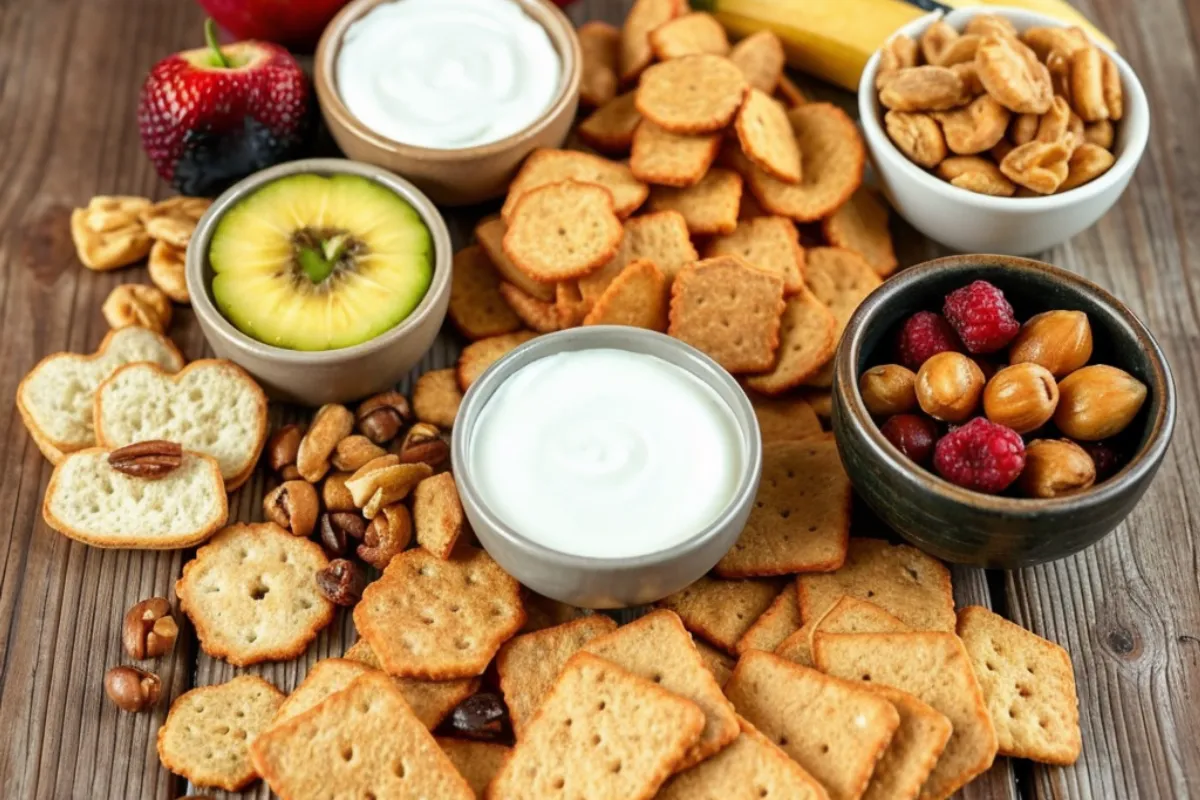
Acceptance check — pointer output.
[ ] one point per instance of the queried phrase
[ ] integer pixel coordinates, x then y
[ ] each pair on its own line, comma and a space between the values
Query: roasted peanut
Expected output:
1095, 85
137, 304
108, 233
283, 446
1024, 128
293, 506
975, 174
425, 444
354, 451
984, 24
976, 128
1038, 166
1043, 40
380, 418
386, 535
1099, 133
1012, 75
334, 493
1089, 161
899, 53
1055, 123
166, 268
918, 136
331, 424
384, 481
927, 88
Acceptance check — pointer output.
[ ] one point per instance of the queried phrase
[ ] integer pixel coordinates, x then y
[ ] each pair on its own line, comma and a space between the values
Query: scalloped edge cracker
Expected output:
689, 34
671, 159
563, 230
766, 137
611, 127
476, 307
770, 243
436, 397
476, 357
861, 224
721, 611
761, 59
538, 315
546, 165
635, 52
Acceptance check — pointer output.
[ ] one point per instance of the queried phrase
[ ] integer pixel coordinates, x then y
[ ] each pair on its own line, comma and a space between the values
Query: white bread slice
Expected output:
211, 406
55, 398
91, 502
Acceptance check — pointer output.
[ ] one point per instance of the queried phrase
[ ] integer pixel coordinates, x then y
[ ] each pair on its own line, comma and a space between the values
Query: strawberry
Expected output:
211, 116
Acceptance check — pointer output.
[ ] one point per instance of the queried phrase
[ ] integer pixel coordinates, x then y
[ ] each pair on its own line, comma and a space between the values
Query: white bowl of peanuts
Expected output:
1000, 130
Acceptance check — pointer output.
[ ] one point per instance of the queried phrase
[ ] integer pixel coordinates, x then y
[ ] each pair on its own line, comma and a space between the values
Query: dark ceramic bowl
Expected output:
966, 527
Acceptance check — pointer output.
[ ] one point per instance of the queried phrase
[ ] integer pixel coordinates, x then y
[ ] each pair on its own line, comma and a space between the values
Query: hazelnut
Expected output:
1055, 467
293, 505
354, 451
342, 582
338, 528
282, 449
424, 444
334, 493
1097, 402
149, 630
132, 689
888, 389
1022, 397
948, 386
381, 417
1060, 341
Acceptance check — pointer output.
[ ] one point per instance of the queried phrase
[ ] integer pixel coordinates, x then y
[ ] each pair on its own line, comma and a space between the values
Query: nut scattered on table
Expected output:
151, 459
331, 424
293, 506
354, 451
149, 630
342, 582
132, 689
386, 535
137, 304
339, 530
382, 417
424, 444
283, 447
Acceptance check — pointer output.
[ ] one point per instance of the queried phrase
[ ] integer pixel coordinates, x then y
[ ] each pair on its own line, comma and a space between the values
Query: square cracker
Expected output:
476, 307
598, 43
431, 701
436, 397
363, 742
437, 514
530, 664
477, 762
807, 340
671, 159
797, 647
784, 418
636, 297
327, 676
601, 733
1029, 686
801, 516
721, 611
777, 623
476, 357
658, 648
697, 32
847, 615
861, 224
709, 206
761, 59
715, 661
841, 279
730, 310
610, 128
766, 137
546, 166
769, 243
914, 750
934, 667
546, 612
562, 230
490, 235
661, 237
749, 769
434, 619
908, 584
834, 729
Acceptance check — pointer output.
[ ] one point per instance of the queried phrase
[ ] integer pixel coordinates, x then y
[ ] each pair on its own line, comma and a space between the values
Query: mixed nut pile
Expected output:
1047, 393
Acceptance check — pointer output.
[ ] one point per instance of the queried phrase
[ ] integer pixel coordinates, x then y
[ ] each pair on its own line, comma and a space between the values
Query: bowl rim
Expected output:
622, 337
549, 16
919, 480
1136, 117
215, 323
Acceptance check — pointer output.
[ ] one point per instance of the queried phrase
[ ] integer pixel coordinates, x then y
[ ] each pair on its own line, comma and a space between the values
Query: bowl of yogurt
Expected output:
606, 466
451, 94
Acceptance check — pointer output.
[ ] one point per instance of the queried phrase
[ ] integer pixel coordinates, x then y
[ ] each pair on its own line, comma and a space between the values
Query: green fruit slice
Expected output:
310, 262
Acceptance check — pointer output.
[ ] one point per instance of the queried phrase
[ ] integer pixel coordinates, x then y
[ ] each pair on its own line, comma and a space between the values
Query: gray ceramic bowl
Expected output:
608, 582
329, 376
967, 527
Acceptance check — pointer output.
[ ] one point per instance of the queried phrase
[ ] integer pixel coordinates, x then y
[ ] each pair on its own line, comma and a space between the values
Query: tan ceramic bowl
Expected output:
327, 376
465, 175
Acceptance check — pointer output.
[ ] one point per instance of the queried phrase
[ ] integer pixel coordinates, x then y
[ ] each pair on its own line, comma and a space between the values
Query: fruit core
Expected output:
321, 252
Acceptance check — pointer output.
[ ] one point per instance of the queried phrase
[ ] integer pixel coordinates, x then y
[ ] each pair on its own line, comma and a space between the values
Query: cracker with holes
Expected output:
908, 584
637, 297
730, 310
769, 243
537, 315
1028, 684
801, 516
914, 750
476, 307
785, 418
776, 624
832, 728
841, 279
601, 732
721, 611
477, 762
361, 742
563, 230
688, 35
431, 701
751, 768
634, 51
439, 619
861, 225
766, 137
545, 166
476, 357
709, 206
436, 397
598, 44
660, 237
658, 648
671, 159
327, 676
611, 127
933, 667
207, 734
529, 664
761, 59
437, 514
489, 233
807, 340
251, 596
693, 94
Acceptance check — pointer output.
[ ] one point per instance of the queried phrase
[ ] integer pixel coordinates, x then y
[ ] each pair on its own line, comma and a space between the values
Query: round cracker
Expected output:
766, 136
693, 94
563, 230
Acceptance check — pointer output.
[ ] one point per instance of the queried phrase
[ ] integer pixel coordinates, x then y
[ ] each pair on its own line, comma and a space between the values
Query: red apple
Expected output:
296, 24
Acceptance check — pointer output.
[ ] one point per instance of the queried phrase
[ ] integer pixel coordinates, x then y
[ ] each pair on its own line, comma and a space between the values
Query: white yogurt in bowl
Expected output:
447, 74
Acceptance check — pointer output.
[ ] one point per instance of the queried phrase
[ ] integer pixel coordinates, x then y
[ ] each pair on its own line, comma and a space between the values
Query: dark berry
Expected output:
925, 334
1105, 457
981, 317
981, 456
912, 435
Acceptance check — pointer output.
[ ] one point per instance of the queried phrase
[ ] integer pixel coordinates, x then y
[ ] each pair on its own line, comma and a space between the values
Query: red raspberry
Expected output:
912, 435
923, 335
981, 317
980, 455
1106, 459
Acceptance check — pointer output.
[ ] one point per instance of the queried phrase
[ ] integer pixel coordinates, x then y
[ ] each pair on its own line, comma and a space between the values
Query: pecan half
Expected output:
381, 417
342, 582
150, 459
149, 630
137, 304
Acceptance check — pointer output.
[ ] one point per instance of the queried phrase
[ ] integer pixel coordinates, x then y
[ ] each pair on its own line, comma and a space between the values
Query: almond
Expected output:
1097, 402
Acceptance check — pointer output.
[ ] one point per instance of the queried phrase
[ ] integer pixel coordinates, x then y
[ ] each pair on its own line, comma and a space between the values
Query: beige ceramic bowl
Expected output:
451, 177
328, 376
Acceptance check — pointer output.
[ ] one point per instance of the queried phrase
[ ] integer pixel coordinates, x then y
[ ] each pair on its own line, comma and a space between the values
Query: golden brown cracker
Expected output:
477, 762
476, 306
361, 742
715, 661
853, 615
797, 647
709, 207
546, 166
861, 225
766, 137
769, 243
693, 94
546, 612
660, 236
598, 43
529, 665
834, 729
490, 235
777, 623
821, 402
841, 279
690, 34
721, 611
637, 297
476, 357
563, 230
748, 208
635, 52
434, 619
658, 648
671, 159
790, 93
208, 731
729, 310
431, 701
610, 128
570, 303
437, 514
784, 418
914, 750
935, 668
327, 676
900, 579
801, 516
436, 397
1028, 684
537, 315
761, 59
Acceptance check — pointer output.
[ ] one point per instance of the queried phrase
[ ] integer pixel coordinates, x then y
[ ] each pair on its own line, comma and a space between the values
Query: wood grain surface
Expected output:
1128, 609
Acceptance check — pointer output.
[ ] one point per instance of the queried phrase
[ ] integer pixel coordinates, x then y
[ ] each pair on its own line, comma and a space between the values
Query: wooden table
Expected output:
1128, 609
